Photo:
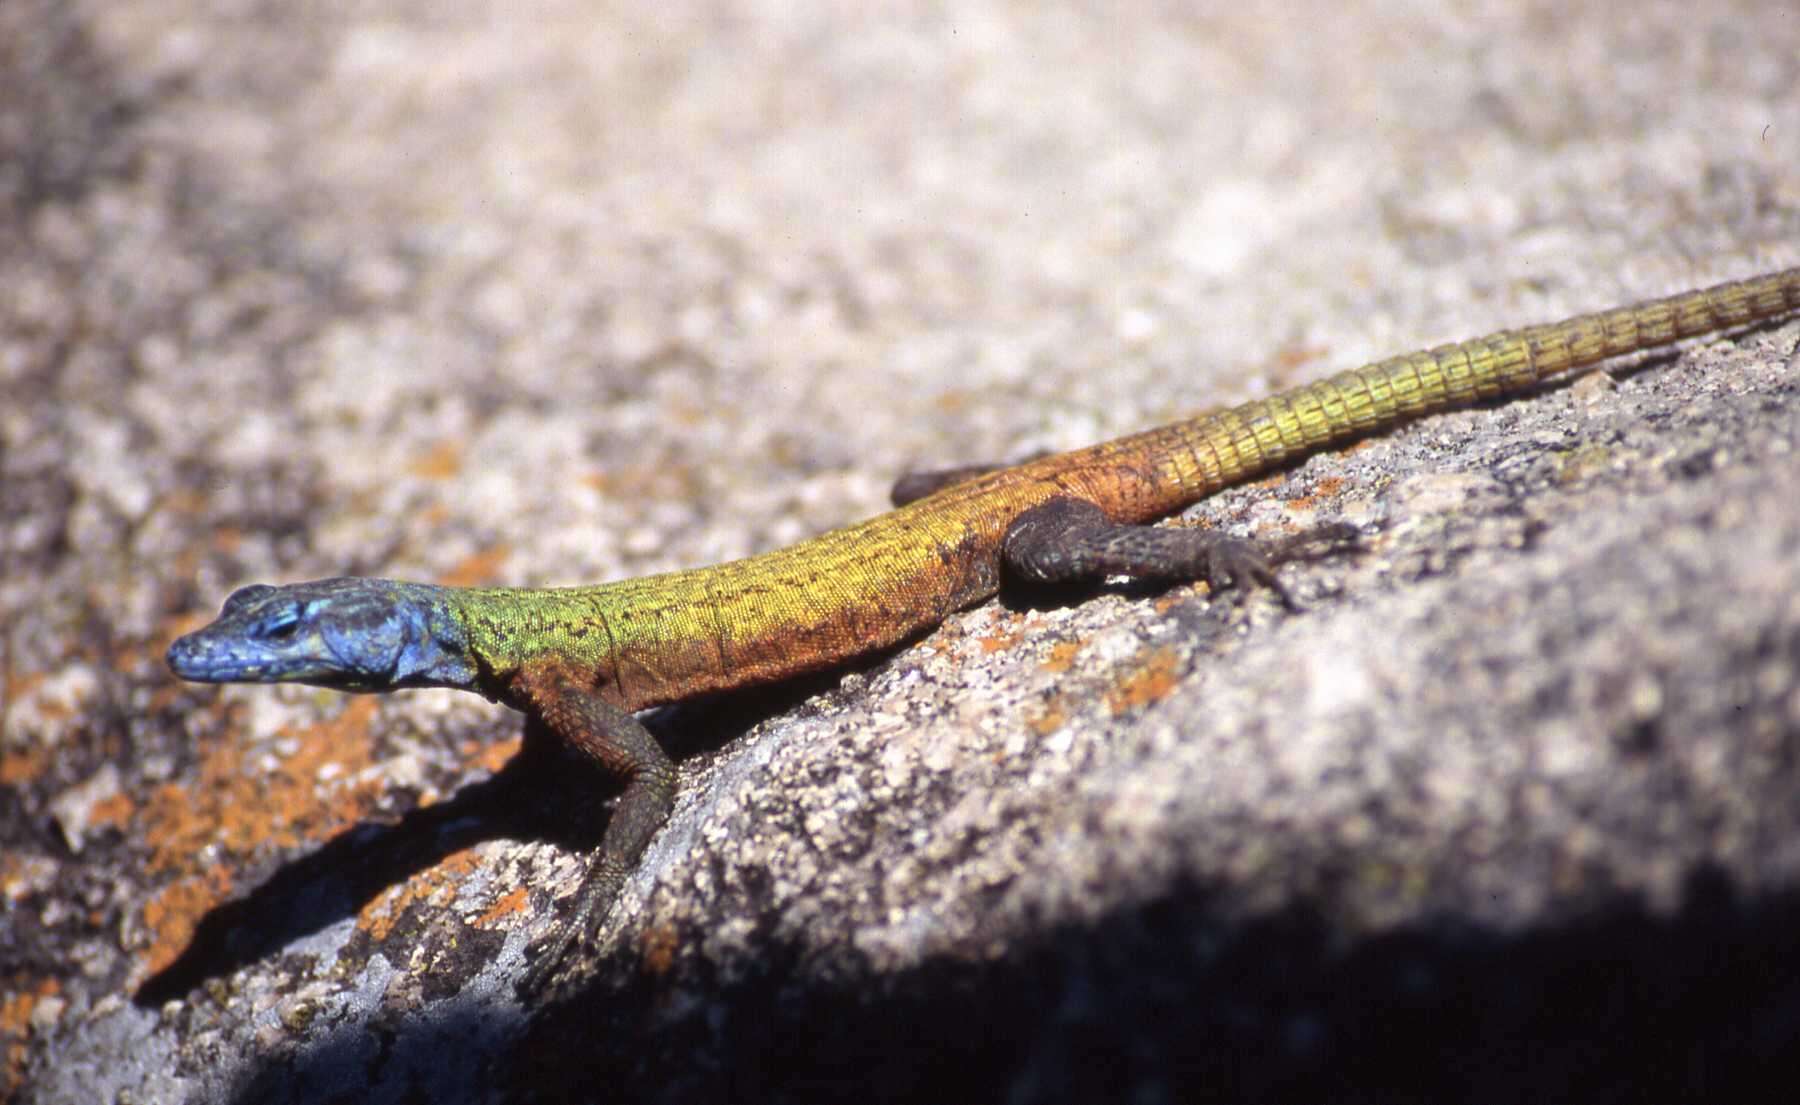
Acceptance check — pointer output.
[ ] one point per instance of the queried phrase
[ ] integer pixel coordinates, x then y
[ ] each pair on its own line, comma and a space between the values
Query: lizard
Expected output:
583, 661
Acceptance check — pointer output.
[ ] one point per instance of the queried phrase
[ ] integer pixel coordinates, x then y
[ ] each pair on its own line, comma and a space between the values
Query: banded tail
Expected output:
1201, 455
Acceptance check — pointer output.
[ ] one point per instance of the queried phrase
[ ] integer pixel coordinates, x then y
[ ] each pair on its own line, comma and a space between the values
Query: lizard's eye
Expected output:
281, 624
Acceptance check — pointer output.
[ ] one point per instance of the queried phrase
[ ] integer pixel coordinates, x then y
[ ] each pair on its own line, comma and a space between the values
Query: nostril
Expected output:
181, 654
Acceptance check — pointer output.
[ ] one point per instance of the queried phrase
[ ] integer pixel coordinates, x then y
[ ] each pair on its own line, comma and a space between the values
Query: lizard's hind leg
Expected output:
1067, 540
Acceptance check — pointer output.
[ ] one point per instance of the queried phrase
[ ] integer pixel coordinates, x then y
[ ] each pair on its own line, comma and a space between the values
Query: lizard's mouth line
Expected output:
193, 661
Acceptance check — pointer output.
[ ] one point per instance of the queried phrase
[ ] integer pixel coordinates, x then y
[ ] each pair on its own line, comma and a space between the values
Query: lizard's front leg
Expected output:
1067, 540
912, 486
569, 706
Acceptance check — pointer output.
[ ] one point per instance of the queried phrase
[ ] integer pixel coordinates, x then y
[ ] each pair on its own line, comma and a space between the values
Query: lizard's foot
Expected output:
557, 956
546, 967
1243, 562
1067, 540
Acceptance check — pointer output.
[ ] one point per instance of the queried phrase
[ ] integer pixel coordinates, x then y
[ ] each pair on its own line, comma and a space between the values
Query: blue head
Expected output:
349, 634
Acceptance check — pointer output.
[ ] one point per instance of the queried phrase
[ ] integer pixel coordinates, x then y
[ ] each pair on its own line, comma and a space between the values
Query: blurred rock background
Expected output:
559, 292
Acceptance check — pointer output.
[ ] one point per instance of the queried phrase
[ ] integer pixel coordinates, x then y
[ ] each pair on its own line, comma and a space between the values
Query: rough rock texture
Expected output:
563, 292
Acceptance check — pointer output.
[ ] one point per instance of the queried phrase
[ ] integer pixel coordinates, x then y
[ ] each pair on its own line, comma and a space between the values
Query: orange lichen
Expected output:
227, 539
22, 765
999, 641
644, 482
1049, 719
241, 806
473, 571
1324, 489
238, 804
659, 943
1151, 678
17, 1004
1174, 597
114, 809
509, 904
435, 884
173, 912
1292, 355
490, 756
1062, 656
442, 461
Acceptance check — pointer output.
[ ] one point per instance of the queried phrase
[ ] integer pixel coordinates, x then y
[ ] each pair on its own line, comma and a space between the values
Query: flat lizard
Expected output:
582, 660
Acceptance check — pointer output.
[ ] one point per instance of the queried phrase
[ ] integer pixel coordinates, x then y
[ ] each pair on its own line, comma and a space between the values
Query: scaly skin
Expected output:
582, 659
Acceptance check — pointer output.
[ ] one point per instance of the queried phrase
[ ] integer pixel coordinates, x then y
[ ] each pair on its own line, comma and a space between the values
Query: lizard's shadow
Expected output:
335, 880
544, 793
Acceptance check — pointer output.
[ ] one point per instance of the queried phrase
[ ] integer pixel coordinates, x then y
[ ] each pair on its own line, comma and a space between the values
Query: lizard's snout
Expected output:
187, 658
